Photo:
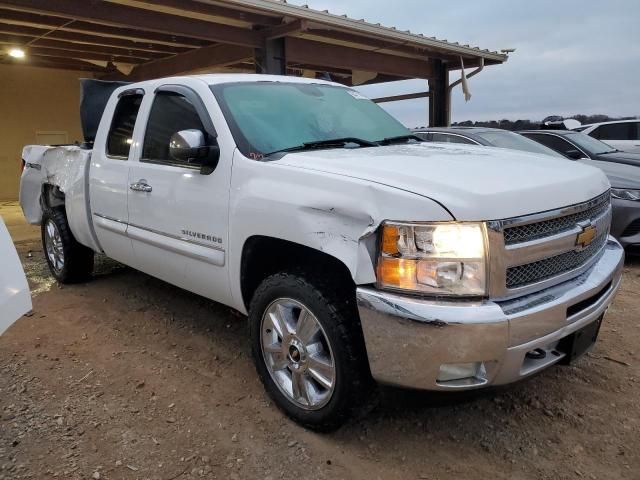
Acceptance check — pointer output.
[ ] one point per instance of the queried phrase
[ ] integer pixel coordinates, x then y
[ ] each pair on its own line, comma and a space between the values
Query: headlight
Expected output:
625, 194
444, 258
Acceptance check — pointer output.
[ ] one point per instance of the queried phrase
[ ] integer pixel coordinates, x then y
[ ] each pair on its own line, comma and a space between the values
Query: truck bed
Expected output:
65, 168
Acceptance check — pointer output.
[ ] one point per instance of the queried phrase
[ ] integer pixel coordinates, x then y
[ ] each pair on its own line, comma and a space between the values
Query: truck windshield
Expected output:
268, 117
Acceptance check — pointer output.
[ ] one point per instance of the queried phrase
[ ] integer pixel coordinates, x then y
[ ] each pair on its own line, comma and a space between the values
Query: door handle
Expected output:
141, 186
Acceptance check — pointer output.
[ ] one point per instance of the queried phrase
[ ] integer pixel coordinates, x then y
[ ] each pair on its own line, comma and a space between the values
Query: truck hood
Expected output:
471, 182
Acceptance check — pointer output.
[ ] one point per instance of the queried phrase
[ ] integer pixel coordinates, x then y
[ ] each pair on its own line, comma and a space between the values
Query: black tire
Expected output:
77, 263
336, 312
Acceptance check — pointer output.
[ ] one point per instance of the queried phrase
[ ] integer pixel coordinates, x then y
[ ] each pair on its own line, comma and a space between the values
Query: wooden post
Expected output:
439, 102
271, 58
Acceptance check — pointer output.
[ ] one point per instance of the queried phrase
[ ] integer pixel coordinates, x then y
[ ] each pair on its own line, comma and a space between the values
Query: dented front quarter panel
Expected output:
66, 168
335, 214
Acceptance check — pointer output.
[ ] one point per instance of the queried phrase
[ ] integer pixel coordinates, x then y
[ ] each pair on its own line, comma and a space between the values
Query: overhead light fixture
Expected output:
16, 53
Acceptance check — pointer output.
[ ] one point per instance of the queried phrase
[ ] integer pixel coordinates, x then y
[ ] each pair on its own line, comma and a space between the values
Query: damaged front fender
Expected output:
334, 214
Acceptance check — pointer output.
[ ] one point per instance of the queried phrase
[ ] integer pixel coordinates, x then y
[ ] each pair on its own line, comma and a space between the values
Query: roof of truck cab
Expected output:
220, 78
217, 78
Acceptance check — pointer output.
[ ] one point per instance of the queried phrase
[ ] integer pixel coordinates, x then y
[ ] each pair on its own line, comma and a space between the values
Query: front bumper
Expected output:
625, 213
409, 338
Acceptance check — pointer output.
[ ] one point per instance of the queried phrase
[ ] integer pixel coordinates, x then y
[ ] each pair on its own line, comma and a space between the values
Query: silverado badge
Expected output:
586, 236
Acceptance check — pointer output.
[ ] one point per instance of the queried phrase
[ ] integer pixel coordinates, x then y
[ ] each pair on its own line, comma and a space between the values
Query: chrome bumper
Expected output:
409, 338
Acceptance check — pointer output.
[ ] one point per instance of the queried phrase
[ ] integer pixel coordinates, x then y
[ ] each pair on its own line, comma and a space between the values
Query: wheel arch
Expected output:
51, 196
263, 256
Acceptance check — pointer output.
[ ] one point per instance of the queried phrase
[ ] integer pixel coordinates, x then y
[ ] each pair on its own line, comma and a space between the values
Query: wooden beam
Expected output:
317, 53
406, 96
213, 56
220, 11
138, 18
91, 39
285, 29
36, 20
379, 44
62, 64
55, 52
82, 47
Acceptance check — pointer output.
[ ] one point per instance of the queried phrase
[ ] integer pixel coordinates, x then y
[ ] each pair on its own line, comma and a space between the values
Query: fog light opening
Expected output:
450, 372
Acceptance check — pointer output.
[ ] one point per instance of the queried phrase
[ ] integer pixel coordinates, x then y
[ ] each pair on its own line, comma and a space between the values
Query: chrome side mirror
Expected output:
188, 145
191, 146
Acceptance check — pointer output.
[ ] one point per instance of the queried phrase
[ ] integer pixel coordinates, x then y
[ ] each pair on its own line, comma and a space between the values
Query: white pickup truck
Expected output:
358, 252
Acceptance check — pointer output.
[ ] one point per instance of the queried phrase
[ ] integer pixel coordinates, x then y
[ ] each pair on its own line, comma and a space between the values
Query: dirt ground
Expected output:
127, 377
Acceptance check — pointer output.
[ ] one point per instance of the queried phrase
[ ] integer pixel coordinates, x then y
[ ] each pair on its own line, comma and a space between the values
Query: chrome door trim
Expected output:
177, 237
110, 224
175, 244
127, 232
474, 142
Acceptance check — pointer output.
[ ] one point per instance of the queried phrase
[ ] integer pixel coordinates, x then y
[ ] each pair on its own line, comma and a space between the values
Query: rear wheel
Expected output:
68, 260
308, 350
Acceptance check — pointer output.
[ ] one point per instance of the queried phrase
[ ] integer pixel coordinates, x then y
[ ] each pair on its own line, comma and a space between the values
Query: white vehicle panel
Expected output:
473, 182
626, 145
108, 188
15, 297
335, 214
180, 228
67, 168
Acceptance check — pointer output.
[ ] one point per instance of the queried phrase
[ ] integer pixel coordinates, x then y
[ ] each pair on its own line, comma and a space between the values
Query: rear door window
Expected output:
121, 131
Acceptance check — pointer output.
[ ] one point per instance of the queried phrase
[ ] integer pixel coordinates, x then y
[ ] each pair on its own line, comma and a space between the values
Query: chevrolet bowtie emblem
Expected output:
586, 236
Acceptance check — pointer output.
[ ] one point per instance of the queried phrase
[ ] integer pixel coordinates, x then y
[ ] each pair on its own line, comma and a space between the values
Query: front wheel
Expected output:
68, 260
308, 349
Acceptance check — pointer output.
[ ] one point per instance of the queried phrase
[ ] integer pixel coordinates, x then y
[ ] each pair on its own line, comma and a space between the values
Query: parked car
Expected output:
490, 137
577, 145
15, 297
621, 134
625, 179
357, 251
622, 169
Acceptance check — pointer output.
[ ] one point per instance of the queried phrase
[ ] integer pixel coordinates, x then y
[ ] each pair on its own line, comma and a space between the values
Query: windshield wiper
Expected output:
329, 143
398, 139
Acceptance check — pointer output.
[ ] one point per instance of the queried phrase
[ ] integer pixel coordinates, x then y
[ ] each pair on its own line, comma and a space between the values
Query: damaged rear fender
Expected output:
62, 173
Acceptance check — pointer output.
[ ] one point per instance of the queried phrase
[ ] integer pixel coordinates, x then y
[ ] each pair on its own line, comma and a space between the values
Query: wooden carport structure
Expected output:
139, 39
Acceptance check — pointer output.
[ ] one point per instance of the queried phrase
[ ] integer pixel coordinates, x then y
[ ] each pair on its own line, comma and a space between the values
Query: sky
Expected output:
571, 56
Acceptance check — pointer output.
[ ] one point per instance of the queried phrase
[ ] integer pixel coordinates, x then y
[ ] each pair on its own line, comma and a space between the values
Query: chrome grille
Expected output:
536, 251
550, 267
546, 228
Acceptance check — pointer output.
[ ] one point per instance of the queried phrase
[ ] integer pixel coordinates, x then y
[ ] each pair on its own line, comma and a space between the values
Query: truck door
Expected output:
178, 215
109, 175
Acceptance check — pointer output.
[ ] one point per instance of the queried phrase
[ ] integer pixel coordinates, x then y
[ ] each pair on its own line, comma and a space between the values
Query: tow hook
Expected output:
537, 354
